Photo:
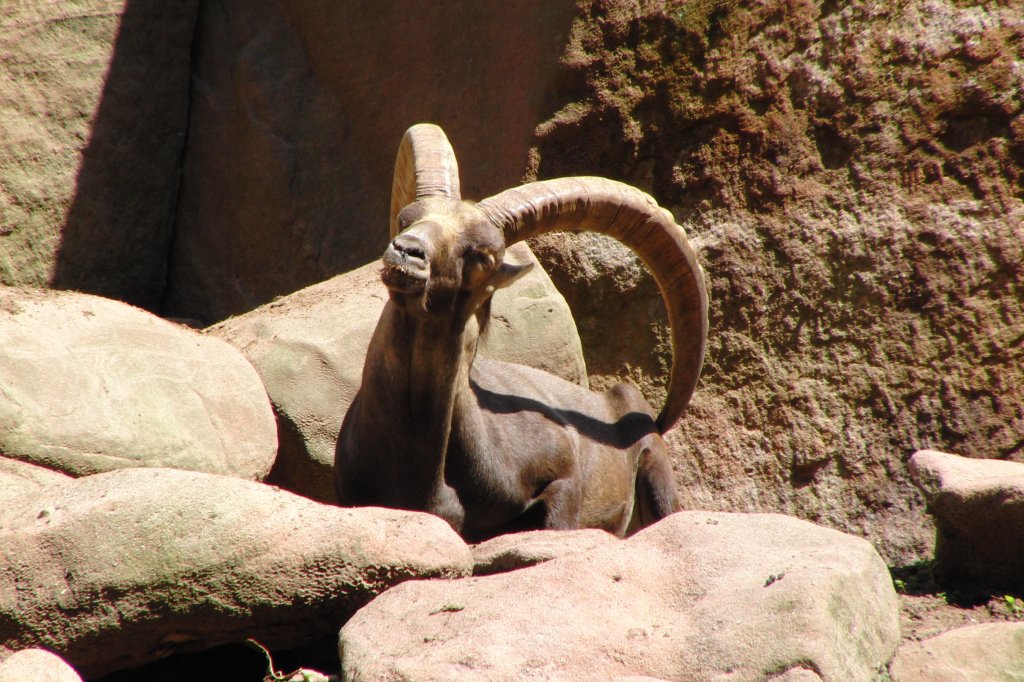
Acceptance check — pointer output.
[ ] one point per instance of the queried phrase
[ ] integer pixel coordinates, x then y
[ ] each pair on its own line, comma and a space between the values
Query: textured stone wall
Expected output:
853, 174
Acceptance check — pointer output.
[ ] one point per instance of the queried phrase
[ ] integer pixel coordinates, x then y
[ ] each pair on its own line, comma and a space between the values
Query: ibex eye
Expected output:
480, 258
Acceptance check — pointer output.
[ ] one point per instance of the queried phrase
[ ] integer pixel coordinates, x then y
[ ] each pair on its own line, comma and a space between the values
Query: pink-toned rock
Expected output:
696, 596
118, 569
36, 665
91, 384
978, 506
306, 675
798, 674
992, 652
519, 550
937, 472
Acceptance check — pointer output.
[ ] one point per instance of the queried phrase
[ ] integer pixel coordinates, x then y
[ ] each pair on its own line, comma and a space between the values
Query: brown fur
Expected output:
491, 447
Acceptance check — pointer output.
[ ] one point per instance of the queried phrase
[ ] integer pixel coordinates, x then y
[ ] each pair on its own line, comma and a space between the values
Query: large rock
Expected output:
978, 505
91, 385
993, 652
93, 112
859, 215
36, 665
298, 108
697, 596
118, 569
18, 478
309, 349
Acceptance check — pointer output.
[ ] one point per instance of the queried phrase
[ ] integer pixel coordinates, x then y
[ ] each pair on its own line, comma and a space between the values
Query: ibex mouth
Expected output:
402, 272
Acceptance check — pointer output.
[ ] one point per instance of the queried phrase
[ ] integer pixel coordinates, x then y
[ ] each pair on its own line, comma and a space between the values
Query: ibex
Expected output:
493, 447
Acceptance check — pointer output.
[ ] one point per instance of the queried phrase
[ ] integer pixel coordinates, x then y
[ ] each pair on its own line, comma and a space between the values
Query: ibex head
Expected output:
447, 259
446, 255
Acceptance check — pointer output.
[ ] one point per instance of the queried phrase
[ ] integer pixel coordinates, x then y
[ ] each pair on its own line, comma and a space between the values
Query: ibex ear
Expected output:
506, 274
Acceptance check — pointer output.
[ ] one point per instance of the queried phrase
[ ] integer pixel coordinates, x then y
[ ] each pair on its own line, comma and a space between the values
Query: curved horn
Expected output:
425, 167
636, 220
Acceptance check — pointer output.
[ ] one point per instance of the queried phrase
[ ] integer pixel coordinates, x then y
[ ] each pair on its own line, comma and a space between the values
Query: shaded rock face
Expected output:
853, 176
696, 596
117, 569
91, 384
297, 109
95, 102
309, 349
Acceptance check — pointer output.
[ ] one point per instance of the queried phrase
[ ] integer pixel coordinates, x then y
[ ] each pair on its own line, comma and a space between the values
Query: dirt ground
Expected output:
927, 609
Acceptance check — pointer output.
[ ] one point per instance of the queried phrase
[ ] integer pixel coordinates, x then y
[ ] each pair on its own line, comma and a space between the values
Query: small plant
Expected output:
1014, 605
900, 586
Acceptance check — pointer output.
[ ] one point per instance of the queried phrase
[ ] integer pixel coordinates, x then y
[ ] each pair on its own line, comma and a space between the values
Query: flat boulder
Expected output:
91, 384
978, 506
993, 652
118, 569
696, 596
309, 349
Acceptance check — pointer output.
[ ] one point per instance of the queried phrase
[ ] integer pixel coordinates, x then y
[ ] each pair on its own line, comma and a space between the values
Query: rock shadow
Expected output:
117, 234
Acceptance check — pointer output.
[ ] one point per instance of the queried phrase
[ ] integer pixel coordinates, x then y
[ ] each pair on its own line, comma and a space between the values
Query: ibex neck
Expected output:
414, 369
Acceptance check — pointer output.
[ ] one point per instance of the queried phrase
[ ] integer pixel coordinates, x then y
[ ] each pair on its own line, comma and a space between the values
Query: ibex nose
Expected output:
410, 246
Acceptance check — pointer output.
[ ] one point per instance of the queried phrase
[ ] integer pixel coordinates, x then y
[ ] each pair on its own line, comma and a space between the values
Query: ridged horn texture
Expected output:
635, 219
425, 167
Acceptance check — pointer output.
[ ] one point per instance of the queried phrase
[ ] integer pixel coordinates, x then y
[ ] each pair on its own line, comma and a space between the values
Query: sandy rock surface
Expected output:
850, 174
36, 665
17, 477
519, 550
993, 652
95, 100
